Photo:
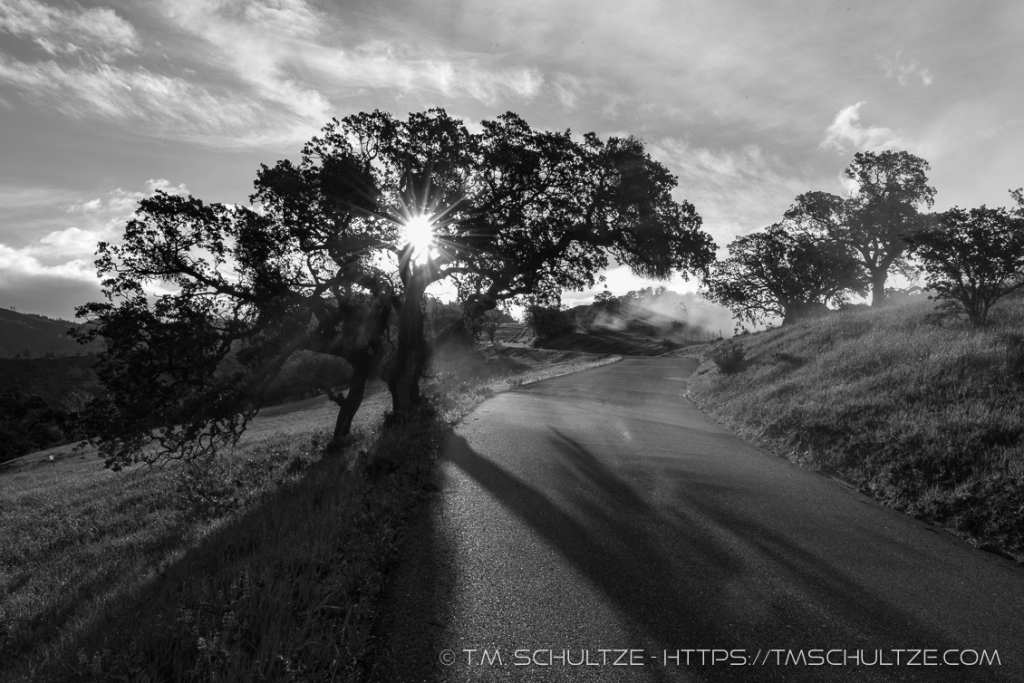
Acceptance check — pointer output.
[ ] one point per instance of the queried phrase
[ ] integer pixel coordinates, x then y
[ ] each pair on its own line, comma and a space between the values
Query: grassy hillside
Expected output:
265, 565
928, 418
38, 335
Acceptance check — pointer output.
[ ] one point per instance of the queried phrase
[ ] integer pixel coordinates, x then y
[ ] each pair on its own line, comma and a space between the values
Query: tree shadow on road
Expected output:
682, 579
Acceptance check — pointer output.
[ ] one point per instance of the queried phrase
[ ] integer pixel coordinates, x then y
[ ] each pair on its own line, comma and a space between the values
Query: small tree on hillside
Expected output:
490, 321
972, 258
874, 222
776, 273
549, 322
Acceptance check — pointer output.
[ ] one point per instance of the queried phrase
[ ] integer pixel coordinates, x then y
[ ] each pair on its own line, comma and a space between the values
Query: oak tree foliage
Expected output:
874, 222
779, 273
205, 303
972, 258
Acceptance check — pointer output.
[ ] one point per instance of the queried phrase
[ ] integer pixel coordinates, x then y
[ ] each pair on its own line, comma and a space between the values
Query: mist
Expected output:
658, 312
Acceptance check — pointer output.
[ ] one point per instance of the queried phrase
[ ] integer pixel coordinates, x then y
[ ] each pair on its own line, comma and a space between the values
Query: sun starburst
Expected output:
418, 233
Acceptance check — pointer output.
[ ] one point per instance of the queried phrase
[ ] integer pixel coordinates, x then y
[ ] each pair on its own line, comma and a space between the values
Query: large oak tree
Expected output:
780, 274
874, 222
517, 213
327, 261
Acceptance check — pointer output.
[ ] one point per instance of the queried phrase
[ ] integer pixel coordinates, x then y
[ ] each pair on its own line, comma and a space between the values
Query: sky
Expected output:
748, 103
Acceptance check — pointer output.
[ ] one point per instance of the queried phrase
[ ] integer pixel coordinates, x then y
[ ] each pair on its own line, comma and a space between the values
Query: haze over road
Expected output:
602, 511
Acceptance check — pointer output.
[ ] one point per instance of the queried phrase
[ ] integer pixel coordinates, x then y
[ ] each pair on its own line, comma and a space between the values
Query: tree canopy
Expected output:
873, 223
779, 273
205, 303
516, 213
972, 258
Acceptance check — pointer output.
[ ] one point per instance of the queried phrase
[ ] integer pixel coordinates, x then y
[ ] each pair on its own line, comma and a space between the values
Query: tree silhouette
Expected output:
874, 222
205, 304
972, 258
777, 273
517, 214
184, 371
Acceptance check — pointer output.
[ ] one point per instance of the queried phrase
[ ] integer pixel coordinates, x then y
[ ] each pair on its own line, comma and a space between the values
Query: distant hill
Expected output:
38, 336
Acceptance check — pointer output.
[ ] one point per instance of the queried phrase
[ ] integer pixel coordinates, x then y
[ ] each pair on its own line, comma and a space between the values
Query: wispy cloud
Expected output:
262, 73
160, 105
846, 132
291, 53
95, 32
736, 191
904, 73
18, 198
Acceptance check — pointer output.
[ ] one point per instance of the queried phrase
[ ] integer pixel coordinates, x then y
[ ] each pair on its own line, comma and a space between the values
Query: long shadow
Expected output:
220, 558
417, 601
695, 577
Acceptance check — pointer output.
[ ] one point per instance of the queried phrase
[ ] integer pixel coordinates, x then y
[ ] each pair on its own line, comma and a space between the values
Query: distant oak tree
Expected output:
972, 258
874, 222
780, 274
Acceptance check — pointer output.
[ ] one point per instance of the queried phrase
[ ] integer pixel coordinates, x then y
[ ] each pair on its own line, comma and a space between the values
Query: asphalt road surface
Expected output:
597, 526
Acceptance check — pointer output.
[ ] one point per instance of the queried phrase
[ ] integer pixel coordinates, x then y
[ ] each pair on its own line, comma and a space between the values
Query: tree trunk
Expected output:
411, 353
364, 366
878, 278
348, 406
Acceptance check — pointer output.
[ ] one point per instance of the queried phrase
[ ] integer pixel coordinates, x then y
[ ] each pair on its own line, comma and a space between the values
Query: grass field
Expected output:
264, 566
928, 418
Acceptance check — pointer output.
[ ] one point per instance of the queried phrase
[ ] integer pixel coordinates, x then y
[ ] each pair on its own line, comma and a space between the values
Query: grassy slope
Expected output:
266, 566
927, 418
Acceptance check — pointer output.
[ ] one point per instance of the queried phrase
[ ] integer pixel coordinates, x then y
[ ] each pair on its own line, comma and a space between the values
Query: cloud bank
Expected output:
55, 273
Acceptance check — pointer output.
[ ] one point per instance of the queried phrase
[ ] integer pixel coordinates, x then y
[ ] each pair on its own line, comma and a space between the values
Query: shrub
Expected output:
549, 322
728, 357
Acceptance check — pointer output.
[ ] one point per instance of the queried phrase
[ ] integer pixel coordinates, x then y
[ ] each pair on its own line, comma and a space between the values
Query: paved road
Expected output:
601, 511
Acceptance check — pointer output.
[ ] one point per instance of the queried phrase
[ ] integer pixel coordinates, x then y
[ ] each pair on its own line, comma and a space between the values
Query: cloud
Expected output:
846, 131
292, 53
99, 219
736, 191
259, 74
96, 32
86, 206
15, 198
47, 274
572, 90
904, 73
18, 263
160, 105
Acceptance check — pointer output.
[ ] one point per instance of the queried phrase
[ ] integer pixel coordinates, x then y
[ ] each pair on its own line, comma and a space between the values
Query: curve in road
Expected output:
597, 526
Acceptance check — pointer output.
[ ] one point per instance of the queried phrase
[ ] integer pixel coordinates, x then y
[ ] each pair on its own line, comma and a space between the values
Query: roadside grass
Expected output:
265, 565
928, 418
80, 540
